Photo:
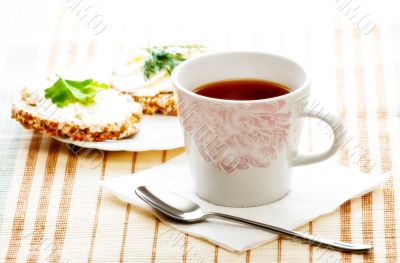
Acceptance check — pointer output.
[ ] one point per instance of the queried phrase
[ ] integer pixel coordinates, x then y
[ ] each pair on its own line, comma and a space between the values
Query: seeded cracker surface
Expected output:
25, 112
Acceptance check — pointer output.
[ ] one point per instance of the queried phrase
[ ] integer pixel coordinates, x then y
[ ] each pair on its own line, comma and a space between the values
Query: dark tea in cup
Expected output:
242, 89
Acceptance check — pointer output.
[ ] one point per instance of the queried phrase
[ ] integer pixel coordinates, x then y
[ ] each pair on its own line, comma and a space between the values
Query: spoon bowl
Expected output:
171, 204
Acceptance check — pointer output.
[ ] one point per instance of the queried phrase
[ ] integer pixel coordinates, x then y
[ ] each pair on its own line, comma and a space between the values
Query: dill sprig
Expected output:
166, 58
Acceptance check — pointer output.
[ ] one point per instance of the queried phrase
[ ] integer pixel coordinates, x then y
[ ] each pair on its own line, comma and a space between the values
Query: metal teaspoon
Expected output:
184, 210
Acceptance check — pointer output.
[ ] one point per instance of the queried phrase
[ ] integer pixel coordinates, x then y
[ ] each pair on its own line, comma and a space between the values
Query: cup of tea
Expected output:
242, 115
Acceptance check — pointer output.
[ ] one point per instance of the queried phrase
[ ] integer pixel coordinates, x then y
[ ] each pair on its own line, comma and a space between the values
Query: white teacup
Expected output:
241, 152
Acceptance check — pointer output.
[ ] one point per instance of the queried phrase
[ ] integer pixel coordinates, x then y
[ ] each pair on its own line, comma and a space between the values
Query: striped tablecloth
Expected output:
51, 208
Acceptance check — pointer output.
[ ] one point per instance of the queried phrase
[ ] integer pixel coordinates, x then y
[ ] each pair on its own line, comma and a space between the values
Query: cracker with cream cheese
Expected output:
112, 116
154, 92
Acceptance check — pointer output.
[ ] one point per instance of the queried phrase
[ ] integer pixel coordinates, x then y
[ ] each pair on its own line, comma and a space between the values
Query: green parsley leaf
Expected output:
166, 58
65, 92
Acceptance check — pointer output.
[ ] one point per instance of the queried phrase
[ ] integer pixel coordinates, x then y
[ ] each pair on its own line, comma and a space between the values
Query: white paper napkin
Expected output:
316, 190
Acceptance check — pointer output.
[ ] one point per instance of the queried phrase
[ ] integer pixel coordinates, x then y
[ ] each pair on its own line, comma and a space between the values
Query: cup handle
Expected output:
338, 138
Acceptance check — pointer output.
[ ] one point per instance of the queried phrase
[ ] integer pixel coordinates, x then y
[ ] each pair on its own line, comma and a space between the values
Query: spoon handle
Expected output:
309, 239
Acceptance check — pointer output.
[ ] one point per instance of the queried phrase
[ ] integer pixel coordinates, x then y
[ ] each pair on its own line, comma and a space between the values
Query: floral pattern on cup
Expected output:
225, 135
